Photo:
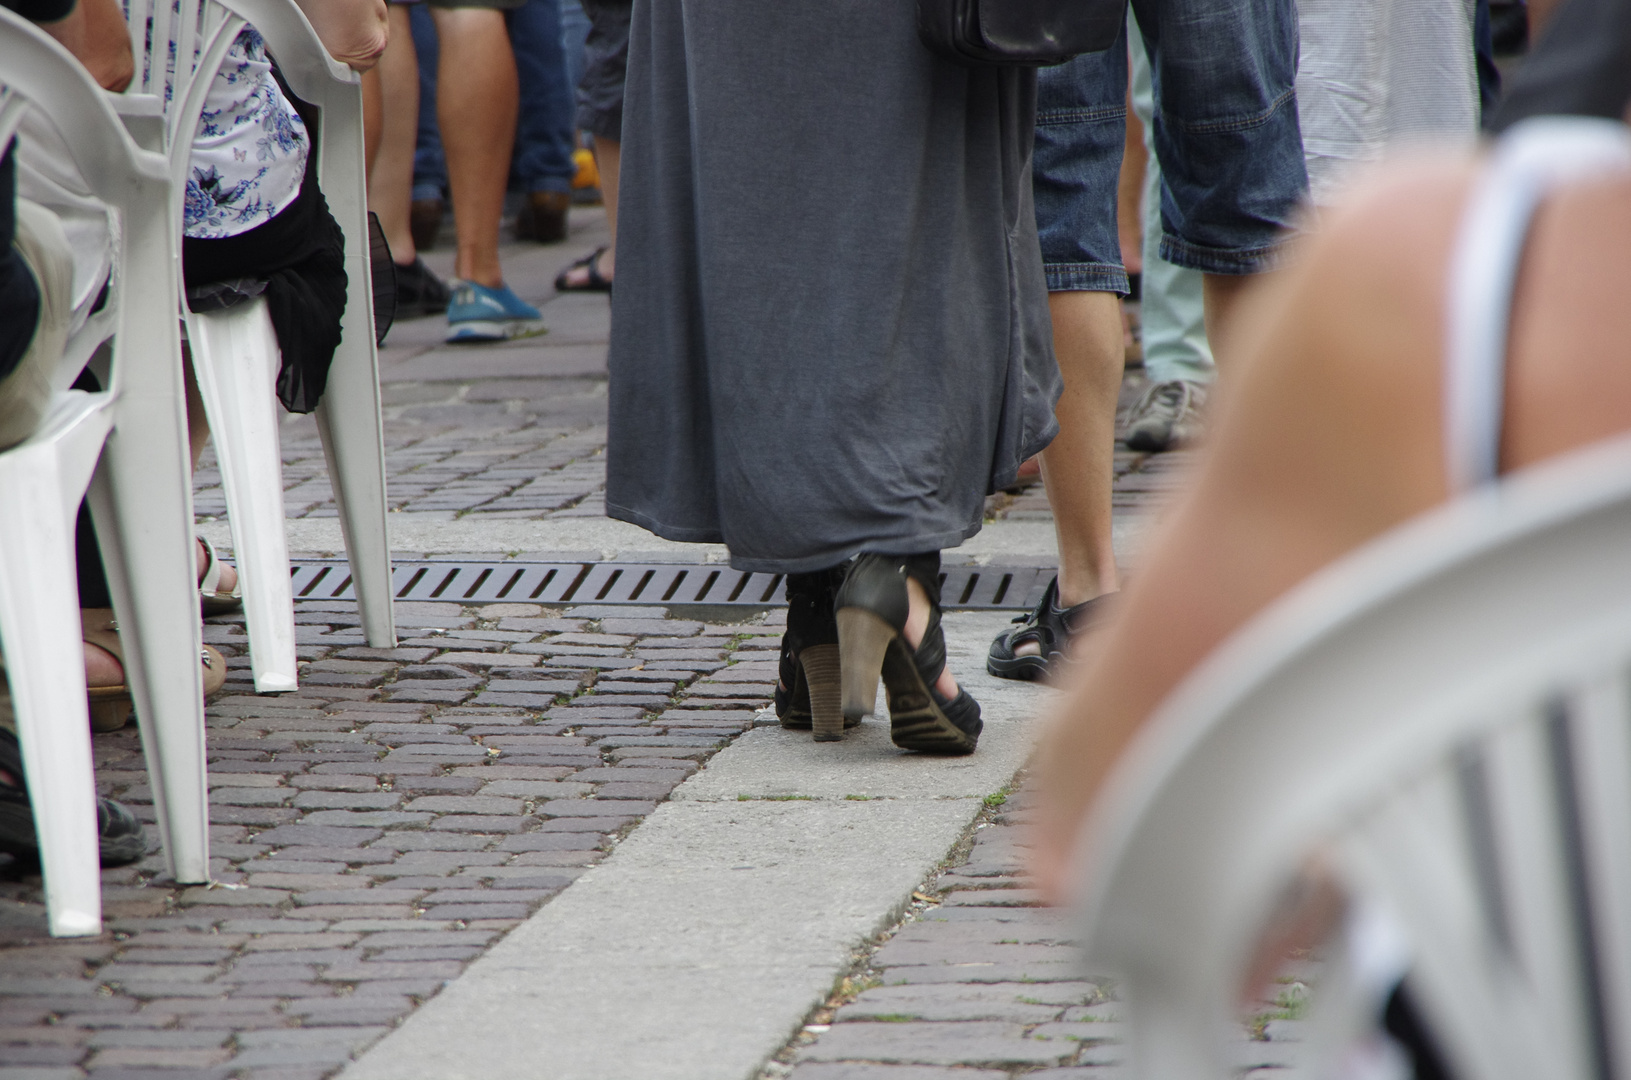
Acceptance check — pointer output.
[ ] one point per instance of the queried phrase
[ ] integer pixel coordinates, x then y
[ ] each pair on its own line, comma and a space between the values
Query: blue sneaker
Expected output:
477, 313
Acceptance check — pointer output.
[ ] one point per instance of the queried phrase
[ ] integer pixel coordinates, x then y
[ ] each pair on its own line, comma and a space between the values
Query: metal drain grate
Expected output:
981, 587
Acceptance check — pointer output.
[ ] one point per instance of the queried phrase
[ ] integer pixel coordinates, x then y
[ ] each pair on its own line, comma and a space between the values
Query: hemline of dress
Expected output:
806, 565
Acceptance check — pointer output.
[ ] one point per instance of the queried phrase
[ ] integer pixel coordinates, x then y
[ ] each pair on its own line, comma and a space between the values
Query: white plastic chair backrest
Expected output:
41, 75
179, 47
1444, 717
202, 31
335, 89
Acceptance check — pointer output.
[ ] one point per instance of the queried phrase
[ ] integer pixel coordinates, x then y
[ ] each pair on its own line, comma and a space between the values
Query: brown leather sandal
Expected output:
111, 705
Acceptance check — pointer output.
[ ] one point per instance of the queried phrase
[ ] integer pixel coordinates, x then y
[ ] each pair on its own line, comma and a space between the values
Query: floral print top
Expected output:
250, 151
249, 154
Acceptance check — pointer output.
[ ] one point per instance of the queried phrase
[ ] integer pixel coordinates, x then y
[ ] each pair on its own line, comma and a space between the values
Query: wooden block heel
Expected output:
109, 713
863, 638
820, 665
873, 605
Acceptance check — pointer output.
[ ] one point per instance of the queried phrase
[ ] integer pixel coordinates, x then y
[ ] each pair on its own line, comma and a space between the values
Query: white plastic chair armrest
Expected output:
102, 149
290, 37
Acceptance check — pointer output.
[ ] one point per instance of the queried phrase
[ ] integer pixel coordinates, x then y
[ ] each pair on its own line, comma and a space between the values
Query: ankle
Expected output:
1079, 588
488, 277
917, 613
917, 624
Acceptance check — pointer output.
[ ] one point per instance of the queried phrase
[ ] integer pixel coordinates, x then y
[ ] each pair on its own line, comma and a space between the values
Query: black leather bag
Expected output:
1018, 33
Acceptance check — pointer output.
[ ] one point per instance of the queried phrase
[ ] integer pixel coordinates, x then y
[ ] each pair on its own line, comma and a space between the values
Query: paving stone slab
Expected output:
661, 961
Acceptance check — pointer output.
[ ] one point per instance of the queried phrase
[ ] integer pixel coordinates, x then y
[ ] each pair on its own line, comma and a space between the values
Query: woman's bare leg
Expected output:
1079, 465
390, 172
477, 99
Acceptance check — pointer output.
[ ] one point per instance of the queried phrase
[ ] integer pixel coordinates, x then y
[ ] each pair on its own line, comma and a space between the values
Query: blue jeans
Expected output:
574, 32
429, 165
543, 132
1225, 133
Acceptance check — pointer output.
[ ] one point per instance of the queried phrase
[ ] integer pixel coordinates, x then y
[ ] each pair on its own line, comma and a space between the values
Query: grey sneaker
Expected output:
1166, 417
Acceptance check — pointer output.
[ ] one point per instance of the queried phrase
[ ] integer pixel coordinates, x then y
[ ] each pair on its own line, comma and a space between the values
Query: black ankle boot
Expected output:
872, 607
807, 694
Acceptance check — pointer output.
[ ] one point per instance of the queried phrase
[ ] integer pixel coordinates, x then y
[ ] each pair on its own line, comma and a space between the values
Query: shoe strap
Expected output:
98, 626
209, 586
930, 656
876, 583
211, 581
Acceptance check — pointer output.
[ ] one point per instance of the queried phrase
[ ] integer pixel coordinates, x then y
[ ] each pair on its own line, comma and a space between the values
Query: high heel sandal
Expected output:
807, 694
872, 606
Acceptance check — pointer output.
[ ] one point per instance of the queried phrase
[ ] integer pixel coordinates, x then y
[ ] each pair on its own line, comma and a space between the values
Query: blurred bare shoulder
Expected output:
1345, 353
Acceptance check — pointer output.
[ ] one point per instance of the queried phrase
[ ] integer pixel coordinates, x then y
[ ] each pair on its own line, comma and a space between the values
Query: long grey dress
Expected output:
830, 329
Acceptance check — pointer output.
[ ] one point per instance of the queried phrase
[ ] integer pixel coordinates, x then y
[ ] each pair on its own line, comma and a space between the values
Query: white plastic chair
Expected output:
127, 445
235, 353
1445, 719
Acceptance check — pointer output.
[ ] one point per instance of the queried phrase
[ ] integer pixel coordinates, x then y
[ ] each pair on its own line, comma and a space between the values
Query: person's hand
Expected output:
353, 31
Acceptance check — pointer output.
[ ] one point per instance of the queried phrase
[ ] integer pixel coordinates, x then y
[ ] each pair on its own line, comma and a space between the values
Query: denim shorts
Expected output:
1226, 136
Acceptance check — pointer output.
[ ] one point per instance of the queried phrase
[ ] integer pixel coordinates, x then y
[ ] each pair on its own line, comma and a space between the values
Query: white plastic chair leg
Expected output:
154, 584
235, 355
356, 466
39, 625
349, 415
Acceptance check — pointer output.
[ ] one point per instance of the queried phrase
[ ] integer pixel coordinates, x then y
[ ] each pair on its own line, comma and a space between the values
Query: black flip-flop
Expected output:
597, 282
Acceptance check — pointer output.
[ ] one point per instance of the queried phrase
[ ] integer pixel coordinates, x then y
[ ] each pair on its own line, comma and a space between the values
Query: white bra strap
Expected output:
1533, 158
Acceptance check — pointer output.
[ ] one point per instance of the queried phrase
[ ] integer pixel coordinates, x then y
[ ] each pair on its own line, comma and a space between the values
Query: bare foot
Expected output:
102, 668
917, 622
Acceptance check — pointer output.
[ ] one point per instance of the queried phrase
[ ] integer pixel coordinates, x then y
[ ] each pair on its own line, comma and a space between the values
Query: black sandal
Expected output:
872, 608
597, 282
1050, 628
807, 693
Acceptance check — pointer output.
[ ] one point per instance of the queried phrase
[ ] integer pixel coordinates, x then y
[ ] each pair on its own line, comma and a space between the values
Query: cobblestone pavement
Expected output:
372, 833
979, 982
510, 430
376, 831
